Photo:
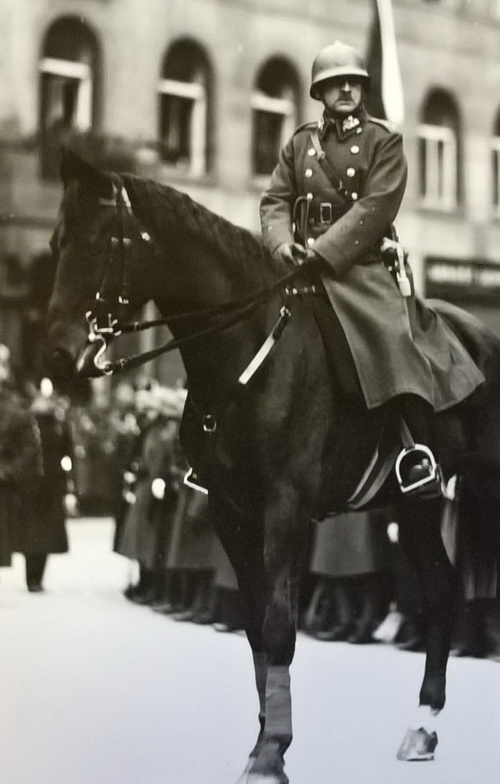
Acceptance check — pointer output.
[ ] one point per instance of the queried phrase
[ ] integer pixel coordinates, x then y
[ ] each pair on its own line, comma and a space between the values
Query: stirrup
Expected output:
413, 455
191, 480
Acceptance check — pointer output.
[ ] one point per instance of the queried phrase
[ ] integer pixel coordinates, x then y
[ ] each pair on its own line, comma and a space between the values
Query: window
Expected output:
185, 104
274, 113
439, 139
68, 68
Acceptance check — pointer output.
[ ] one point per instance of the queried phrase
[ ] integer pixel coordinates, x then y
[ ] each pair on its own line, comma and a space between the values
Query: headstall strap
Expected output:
104, 324
101, 319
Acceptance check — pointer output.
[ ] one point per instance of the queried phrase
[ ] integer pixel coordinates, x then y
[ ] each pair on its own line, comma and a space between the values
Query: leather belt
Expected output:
325, 213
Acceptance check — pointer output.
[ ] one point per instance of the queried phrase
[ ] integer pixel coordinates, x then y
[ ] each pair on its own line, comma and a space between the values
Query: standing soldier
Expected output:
49, 497
333, 198
19, 458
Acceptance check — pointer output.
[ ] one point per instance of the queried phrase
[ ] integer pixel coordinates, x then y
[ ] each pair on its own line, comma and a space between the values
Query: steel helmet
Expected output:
337, 59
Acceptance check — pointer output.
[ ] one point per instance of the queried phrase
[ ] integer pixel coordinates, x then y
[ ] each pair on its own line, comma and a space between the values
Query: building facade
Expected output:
200, 94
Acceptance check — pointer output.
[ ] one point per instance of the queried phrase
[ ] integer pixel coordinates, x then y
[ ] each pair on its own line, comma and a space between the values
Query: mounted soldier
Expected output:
333, 198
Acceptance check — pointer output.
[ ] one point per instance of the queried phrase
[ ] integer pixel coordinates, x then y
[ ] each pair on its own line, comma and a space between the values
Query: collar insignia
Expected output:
349, 123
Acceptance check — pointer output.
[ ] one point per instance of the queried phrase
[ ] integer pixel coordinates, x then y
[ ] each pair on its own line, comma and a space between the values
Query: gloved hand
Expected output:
291, 253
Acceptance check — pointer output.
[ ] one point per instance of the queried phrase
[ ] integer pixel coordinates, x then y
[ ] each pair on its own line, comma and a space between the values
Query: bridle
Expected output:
106, 317
111, 303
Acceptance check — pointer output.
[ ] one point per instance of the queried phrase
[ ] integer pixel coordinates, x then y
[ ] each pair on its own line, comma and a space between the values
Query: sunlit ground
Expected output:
94, 690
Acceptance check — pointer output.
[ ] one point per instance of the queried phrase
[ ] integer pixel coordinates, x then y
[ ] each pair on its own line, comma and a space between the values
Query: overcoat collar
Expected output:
342, 126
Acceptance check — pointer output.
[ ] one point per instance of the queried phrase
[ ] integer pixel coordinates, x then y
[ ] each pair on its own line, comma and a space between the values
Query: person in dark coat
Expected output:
332, 200
19, 458
350, 557
48, 497
146, 527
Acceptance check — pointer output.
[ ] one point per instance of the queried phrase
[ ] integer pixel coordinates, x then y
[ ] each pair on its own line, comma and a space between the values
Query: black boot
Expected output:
35, 568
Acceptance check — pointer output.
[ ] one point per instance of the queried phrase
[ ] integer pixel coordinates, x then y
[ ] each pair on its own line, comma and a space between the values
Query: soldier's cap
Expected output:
337, 59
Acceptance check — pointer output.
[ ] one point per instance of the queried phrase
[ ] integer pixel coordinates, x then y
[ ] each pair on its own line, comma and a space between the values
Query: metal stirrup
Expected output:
411, 452
407, 455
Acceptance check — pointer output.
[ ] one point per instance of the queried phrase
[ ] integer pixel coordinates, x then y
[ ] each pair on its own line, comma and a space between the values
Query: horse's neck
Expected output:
198, 263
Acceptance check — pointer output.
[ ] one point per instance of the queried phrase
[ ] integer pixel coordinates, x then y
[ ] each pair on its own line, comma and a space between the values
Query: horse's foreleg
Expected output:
244, 549
420, 536
279, 635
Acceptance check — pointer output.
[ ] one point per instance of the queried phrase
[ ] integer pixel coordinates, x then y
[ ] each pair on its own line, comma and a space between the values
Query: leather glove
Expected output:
291, 253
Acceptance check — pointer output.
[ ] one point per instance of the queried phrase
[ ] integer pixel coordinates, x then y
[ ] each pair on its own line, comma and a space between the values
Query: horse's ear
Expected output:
75, 168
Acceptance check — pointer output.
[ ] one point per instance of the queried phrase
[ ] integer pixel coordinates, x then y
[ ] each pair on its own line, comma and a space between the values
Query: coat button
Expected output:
310, 240
359, 130
354, 196
356, 242
354, 149
311, 151
308, 172
350, 172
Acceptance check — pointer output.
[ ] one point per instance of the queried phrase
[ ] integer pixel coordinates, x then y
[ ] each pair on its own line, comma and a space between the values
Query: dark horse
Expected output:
279, 450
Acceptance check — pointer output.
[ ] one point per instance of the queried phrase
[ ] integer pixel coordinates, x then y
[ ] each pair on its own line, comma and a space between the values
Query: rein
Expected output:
242, 309
104, 326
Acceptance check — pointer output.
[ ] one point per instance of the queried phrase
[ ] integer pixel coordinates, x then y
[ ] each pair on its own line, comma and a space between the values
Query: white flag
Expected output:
383, 65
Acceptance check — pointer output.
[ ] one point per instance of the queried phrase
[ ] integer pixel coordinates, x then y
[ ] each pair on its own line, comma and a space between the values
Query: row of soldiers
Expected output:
359, 586
162, 524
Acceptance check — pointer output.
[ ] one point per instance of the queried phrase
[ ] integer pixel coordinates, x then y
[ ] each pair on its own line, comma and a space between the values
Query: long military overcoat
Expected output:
19, 468
42, 525
398, 344
148, 522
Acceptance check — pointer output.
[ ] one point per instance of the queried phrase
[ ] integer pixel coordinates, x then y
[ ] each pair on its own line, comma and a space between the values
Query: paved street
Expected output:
94, 690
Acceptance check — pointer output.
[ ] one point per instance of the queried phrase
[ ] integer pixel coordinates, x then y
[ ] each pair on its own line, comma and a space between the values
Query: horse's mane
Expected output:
167, 207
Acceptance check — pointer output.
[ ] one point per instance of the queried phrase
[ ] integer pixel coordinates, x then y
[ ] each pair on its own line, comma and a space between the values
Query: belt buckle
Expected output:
325, 213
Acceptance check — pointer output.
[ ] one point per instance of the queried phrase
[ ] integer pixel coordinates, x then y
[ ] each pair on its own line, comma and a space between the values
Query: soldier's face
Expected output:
342, 94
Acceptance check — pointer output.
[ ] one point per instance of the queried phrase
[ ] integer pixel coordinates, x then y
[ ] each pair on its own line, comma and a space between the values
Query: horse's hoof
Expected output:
418, 745
243, 779
247, 777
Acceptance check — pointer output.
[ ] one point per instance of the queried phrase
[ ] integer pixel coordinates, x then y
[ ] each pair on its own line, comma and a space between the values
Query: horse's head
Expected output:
97, 244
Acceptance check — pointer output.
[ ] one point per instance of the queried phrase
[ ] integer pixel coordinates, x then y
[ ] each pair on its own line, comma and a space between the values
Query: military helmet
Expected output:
337, 59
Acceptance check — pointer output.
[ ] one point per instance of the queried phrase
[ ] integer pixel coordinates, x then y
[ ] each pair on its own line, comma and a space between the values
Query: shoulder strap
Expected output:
325, 165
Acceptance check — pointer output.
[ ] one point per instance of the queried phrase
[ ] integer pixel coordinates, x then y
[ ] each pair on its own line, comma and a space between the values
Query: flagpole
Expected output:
392, 85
